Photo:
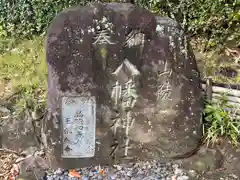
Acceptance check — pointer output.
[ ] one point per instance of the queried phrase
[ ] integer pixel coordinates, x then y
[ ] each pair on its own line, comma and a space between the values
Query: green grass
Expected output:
219, 121
24, 67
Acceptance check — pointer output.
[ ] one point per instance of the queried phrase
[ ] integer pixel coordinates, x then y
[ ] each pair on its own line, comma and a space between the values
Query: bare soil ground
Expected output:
221, 161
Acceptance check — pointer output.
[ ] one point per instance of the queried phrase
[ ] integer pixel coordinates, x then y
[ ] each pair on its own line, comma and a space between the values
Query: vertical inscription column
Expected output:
124, 95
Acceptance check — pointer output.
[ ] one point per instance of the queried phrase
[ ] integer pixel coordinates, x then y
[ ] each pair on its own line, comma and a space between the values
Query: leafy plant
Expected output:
217, 22
24, 18
220, 121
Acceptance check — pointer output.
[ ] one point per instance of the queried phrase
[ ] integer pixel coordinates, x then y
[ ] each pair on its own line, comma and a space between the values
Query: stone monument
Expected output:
123, 86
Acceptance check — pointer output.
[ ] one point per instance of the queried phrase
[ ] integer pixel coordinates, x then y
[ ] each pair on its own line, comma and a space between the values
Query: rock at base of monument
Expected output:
18, 135
123, 86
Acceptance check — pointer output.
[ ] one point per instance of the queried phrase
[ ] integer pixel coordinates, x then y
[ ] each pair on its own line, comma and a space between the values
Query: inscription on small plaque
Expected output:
78, 127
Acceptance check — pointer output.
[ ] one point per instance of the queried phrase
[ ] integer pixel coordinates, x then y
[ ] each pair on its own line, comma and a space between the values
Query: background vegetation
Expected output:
215, 21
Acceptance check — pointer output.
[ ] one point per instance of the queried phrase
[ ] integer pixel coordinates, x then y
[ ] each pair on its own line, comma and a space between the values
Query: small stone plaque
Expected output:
78, 127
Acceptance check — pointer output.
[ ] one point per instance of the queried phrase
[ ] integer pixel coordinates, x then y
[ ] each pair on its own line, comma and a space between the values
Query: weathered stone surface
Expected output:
18, 134
140, 71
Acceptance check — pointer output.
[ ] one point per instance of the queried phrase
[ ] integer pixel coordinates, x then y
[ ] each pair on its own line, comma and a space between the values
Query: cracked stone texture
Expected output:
167, 112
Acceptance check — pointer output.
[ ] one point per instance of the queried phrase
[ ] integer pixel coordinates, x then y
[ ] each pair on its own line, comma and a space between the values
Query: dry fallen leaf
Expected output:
73, 173
8, 168
102, 172
14, 172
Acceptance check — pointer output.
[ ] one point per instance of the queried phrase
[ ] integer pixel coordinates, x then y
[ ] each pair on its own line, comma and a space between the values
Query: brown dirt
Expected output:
215, 162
